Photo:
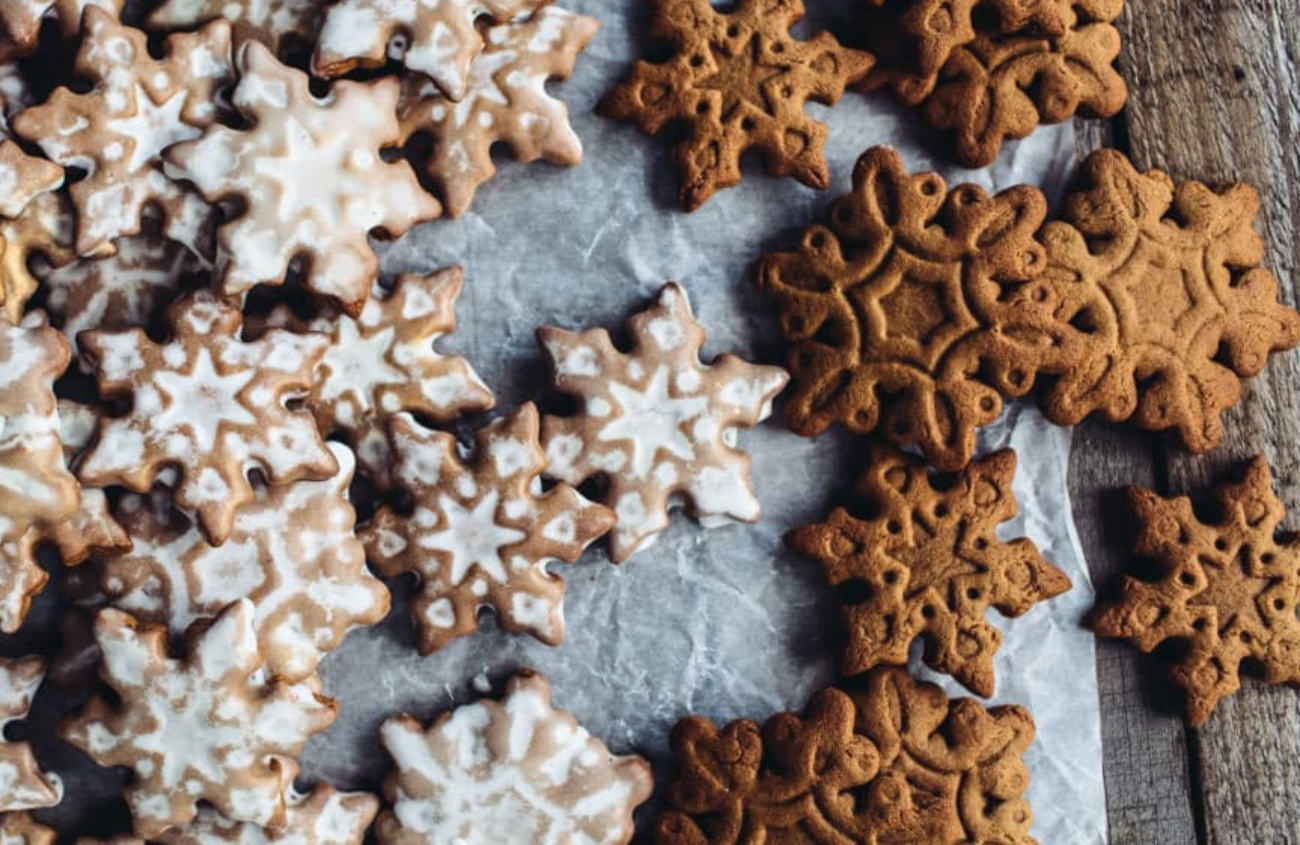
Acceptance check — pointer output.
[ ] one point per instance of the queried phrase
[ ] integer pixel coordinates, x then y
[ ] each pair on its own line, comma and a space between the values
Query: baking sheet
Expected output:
724, 622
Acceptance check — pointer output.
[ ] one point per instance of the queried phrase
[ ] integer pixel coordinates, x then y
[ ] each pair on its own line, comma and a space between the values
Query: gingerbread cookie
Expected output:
384, 361
916, 309
515, 764
23, 786
1227, 589
41, 234
1164, 283
211, 727
23, 178
505, 102
21, 20
138, 106
209, 405
928, 563
291, 552
895, 762
482, 533
656, 424
281, 25
310, 179
23, 829
738, 81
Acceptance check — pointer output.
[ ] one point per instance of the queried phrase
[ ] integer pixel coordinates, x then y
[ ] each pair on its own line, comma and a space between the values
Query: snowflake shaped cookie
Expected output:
138, 107
208, 404
291, 552
1227, 589
740, 82
655, 422
436, 38
20, 21
383, 362
482, 533
210, 727
515, 764
505, 101
279, 24
23, 786
42, 234
1165, 285
310, 177
929, 563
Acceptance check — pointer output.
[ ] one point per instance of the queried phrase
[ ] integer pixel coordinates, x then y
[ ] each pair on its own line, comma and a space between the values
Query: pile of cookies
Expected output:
199, 365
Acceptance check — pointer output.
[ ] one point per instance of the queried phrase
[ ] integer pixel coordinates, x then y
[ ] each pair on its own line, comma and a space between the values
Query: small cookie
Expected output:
514, 765
291, 552
23, 178
655, 423
915, 310
384, 361
20, 21
42, 233
310, 178
209, 405
505, 102
482, 533
929, 563
116, 131
23, 786
211, 727
738, 81
435, 38
1164, 284
281, 25
1227, 590
23, 829
894, 762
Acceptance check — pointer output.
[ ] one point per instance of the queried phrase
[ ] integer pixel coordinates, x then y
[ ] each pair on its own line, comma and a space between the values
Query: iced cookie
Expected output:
279, 24
21, 20
23, 786
42, 235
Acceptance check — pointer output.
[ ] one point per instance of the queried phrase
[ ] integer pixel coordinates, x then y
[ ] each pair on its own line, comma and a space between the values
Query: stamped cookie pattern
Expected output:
310, 179
516, 764
481, 533
928, 563
739, 82
279, 24
23, 786
505, 102
1227, 589
210, 727
655, 423
208, 404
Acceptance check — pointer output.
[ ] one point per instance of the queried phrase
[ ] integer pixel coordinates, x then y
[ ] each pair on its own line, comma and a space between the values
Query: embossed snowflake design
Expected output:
23, 786
208, 404
515, 765
208, 728
138, 106
928, 563
435, 38
505, 101
23, 829
43, 233
21, 20
1165, 284
279, 24
1227, 589
384, 362
310, 179
655, 423
291, 552
739, 81
916, 310
481, 534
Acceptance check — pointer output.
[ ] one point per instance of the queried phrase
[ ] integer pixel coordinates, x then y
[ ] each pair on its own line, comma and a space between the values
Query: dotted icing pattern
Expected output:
23, 786
279, 24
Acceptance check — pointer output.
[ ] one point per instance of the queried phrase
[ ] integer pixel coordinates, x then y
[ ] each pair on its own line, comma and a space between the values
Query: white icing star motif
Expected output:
204, 388
153, 127
472, 537
652, 420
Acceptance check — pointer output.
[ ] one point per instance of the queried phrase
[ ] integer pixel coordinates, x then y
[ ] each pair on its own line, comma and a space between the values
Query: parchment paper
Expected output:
723, 622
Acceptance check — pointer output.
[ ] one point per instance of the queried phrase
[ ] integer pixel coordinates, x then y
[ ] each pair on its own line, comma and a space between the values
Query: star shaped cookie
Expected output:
23, 786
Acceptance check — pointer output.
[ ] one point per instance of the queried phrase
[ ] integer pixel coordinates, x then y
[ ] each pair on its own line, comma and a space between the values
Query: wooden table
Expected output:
1214, 95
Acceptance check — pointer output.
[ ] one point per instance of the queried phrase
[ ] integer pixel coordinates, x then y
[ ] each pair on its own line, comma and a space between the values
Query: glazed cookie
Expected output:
209, 405
739, 82
517, 765
482, 533
916, 309
383, 362
895, 762
1226, 590
138, 106
655, 423
42, 235
279, 24
23, 786
310, 180
291, 552
1165, 283
437, 39
929, 563
23, 829
505, 102
20, 21
250, 725
23, 178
